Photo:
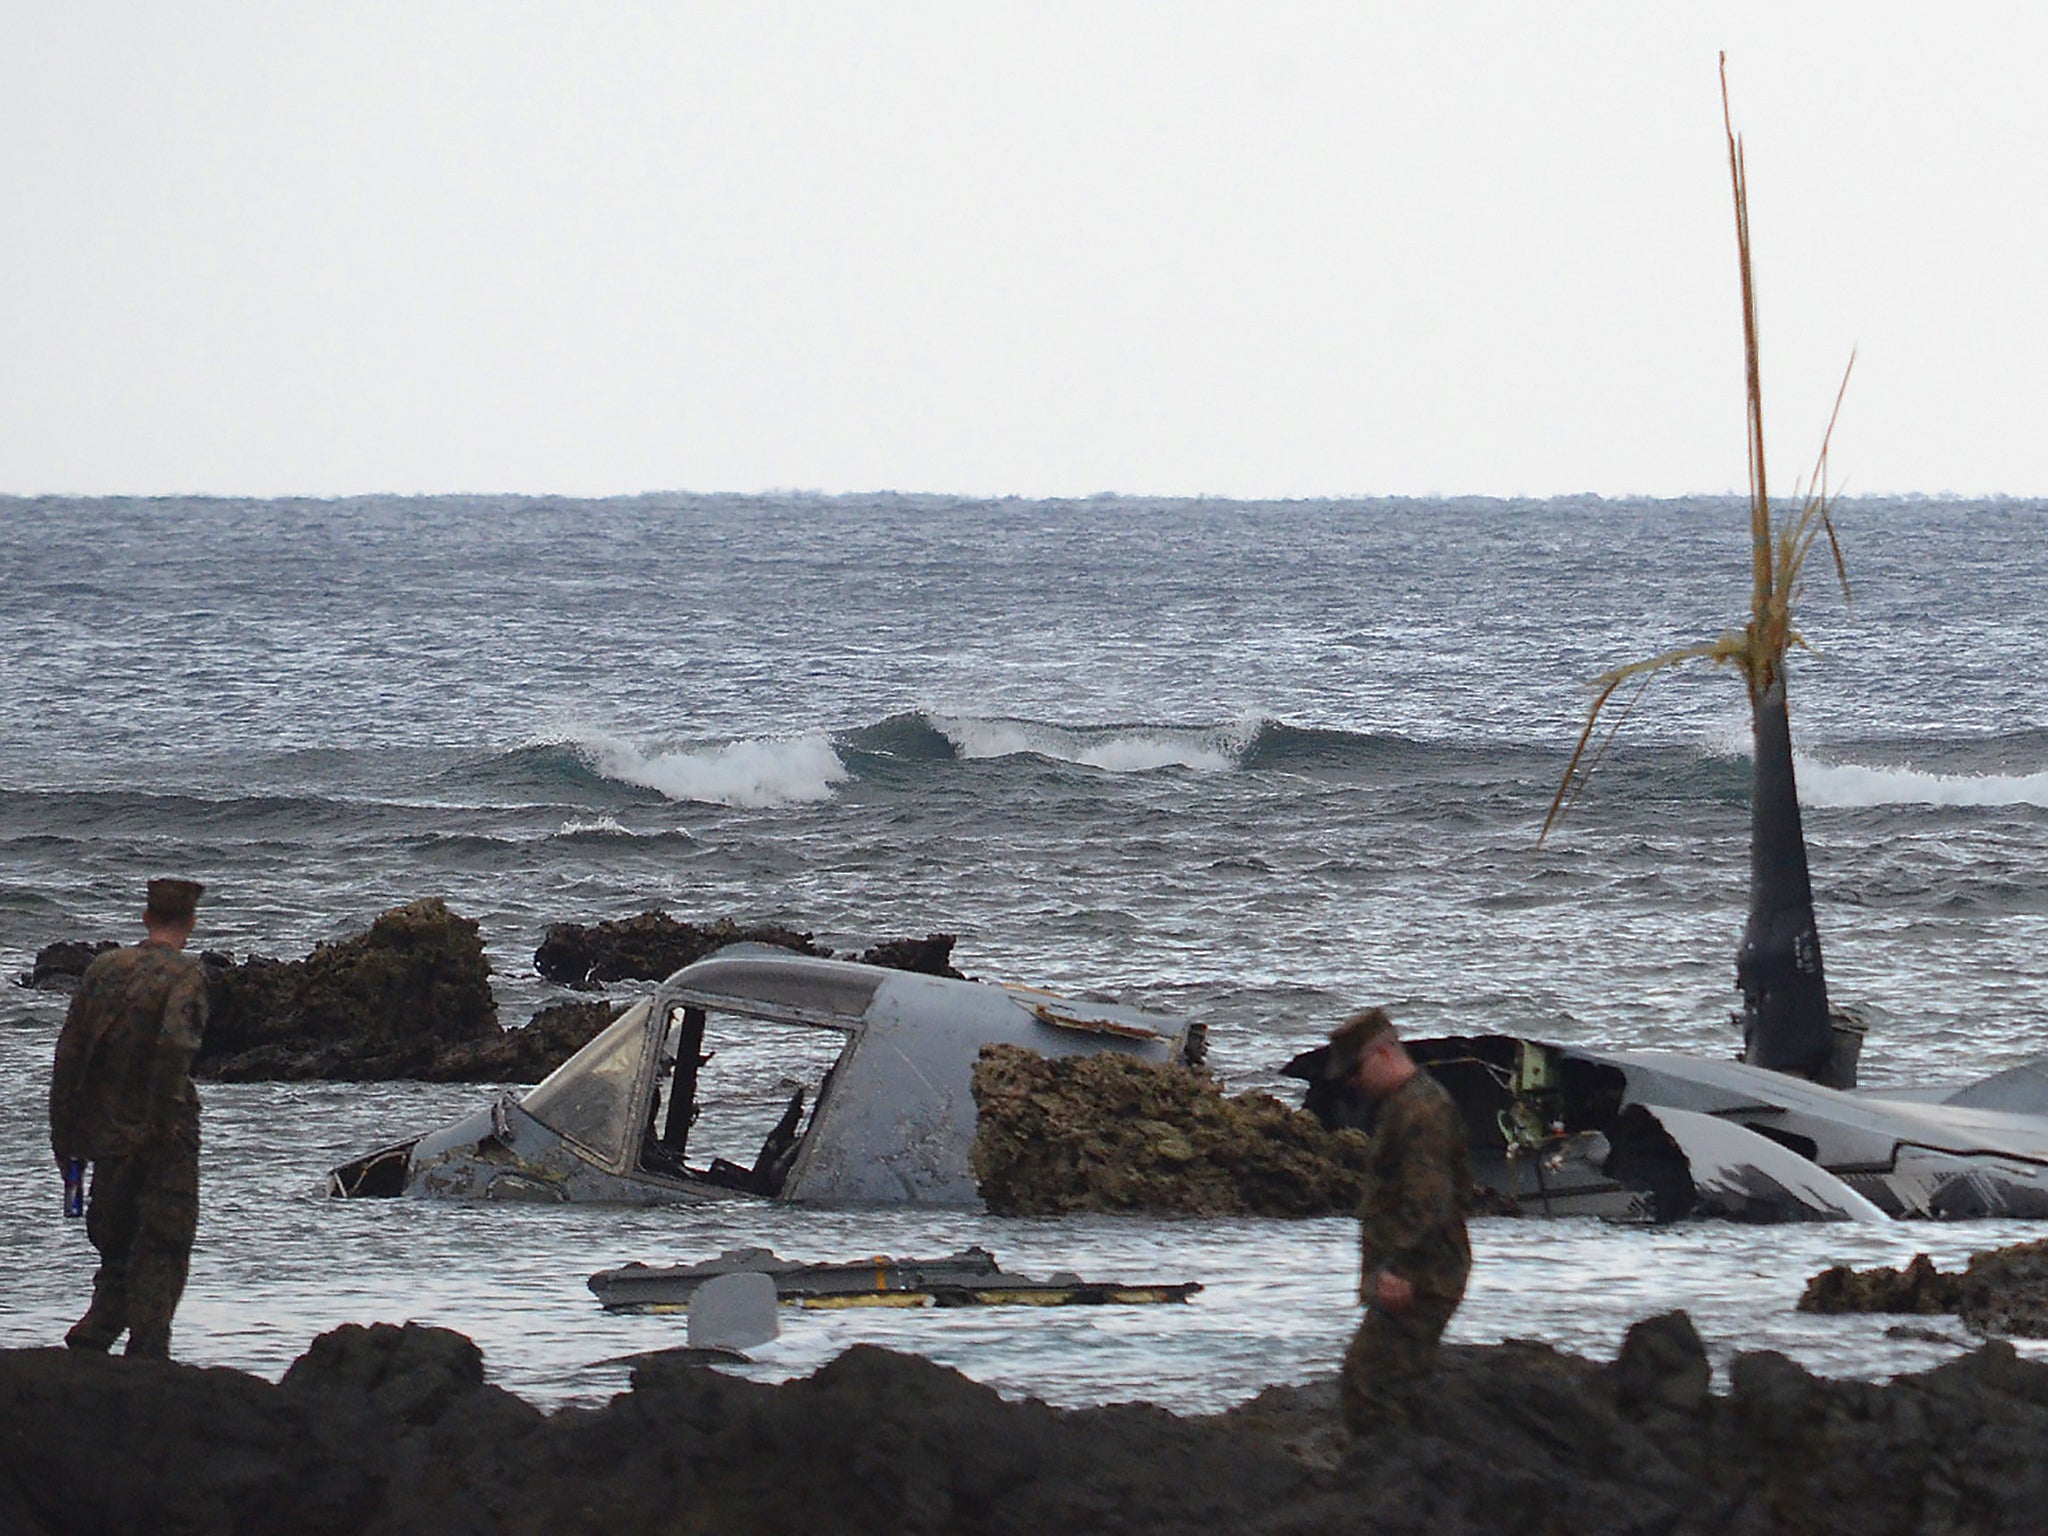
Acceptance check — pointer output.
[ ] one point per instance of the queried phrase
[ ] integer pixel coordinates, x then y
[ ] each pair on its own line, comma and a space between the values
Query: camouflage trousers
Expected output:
142, 1218
1391, 1356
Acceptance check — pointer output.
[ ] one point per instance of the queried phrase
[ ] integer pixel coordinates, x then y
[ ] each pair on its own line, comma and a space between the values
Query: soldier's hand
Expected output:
1392, 1292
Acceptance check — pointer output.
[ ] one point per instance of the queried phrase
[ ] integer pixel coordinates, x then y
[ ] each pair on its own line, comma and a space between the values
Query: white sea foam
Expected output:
1138, 749
1852, 786
597, 826
1729, 735
1848, 786
751, 775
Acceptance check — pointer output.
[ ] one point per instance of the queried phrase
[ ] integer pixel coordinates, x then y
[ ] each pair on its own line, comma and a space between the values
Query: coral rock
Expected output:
384, 1004
1919, 1287
648, 947
1112, 1133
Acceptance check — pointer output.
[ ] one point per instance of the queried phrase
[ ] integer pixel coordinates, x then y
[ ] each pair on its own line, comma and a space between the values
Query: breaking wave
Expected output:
1113, 749
909, 737
1253, 742
805, 769
748, 775
549, 767
597, 826
1843, 786
1848, 786
1307, 747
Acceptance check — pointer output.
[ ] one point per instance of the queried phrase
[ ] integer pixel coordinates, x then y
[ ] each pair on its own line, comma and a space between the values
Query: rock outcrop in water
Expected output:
1112, 1133
931, 955
1918, 1289
58, 966
527, 1054
411, 998
2001, 1291
387, 1429
654, 945
648, 947
386, 1004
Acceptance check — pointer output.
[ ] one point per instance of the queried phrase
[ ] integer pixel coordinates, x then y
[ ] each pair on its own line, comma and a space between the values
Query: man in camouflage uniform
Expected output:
121, 1098
1414, 1256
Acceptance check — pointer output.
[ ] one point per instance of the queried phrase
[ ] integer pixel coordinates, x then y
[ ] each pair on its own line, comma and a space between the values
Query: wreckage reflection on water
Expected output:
890, 1120
1655, 1136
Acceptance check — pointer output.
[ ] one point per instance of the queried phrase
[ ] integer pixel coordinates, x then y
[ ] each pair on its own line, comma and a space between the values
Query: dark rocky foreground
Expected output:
411, 998
390, 1429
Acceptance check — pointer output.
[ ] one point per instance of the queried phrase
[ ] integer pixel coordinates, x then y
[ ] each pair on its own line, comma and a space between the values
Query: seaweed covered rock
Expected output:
648, 947
58, 966
385, 1004
524, 1055
1110, 1132
2006, 1291
654, 945
931, 955
1918, 1288
2002, 1290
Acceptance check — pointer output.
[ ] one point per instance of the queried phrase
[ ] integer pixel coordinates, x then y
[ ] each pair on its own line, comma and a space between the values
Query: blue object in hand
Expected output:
74, 1186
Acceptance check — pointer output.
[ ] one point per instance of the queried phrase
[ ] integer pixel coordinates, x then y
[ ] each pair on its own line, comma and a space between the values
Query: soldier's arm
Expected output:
177, 1043
1428, 1200
1385, 1232
65, 1078
1379, 1227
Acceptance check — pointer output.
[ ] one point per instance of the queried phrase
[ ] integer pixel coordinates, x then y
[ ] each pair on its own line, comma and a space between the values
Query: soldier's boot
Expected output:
152, 1298
152, 1343
105, 1319
89, 1333
156, 1280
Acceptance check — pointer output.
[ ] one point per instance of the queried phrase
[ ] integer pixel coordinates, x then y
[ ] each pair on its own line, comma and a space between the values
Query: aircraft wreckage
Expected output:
1565, 1130
969, 1278
1560, 1130
891, 1120
1781, 1134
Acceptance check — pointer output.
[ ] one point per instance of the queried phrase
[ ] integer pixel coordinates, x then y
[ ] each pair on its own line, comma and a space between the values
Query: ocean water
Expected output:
1258, 762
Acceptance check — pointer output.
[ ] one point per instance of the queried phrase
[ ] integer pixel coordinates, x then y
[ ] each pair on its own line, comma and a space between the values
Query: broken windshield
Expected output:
589, 1098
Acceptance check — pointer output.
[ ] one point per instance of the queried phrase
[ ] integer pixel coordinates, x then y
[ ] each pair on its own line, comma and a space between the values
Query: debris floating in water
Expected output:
969, 1278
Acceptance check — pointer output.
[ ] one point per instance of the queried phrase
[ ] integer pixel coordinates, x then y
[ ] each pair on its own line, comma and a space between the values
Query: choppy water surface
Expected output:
1255, 762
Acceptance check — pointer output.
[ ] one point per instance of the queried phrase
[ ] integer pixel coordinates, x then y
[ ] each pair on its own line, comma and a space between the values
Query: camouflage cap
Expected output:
174, 900
1350, 1041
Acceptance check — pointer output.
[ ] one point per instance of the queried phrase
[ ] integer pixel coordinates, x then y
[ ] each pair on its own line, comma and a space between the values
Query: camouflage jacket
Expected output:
1411, 1219
122, 1078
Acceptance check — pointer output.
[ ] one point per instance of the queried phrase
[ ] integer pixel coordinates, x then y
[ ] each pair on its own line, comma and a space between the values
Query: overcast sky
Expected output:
1263, 249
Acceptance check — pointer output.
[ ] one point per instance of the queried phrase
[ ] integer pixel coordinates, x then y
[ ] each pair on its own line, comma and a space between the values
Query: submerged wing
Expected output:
1738, 1174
